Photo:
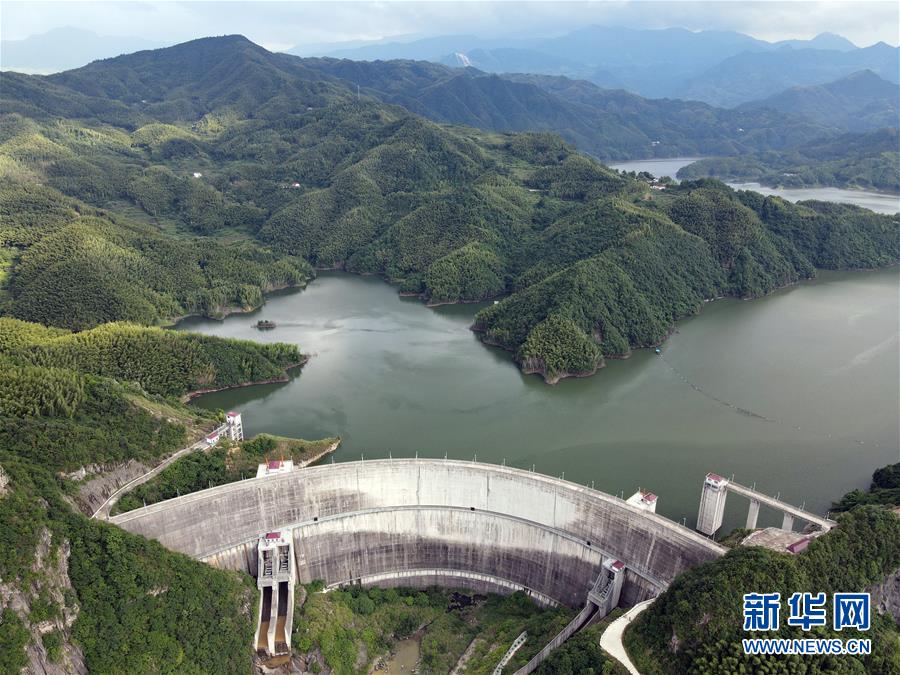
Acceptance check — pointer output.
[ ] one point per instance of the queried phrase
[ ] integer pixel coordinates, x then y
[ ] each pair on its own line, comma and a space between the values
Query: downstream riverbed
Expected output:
880, 202
816, 365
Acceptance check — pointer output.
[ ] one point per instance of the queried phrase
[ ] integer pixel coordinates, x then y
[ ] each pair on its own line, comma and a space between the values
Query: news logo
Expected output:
762, 612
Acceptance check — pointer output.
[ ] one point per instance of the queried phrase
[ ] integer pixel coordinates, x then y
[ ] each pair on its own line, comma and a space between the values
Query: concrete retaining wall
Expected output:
384, 518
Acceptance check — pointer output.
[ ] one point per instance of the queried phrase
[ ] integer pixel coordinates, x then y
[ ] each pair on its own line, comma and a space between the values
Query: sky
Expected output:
281, 25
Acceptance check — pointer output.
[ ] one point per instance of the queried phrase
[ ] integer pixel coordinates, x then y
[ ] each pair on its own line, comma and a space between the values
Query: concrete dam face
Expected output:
419, 522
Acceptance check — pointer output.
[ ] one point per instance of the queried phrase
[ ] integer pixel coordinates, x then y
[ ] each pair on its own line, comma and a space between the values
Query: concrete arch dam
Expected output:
418, 522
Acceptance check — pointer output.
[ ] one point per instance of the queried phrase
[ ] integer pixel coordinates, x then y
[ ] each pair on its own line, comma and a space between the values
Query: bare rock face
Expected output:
99, 482
886, 595
51, 585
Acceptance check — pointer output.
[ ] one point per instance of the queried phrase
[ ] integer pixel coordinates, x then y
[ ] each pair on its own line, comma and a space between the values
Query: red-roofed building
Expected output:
799, 546
274, 466
643, 500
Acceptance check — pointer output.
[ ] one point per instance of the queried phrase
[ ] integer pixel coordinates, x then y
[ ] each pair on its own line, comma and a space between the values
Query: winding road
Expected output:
103, 511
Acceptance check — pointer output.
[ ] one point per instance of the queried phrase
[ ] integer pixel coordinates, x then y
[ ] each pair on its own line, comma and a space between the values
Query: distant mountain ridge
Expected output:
754, 75
859, 102
672, 63
65, 48
722, 68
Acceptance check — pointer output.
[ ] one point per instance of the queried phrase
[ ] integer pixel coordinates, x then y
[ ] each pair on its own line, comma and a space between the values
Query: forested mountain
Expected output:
652, 263
861, 101
188, 80
870, 161
77, 266
250, 145
610, 124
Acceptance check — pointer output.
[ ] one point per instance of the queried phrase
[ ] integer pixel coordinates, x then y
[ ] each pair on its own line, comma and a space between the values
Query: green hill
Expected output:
696, 624
869, 160
77, 266
307, 169
616, 275
610, 124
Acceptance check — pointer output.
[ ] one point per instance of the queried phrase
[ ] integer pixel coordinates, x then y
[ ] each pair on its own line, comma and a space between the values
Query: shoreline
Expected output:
230, 310
186, 398
731, 182
482, 333
441, 303
322, 453
191, 395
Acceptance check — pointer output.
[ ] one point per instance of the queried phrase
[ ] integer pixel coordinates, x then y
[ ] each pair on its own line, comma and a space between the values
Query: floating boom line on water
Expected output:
738, 409
703, 392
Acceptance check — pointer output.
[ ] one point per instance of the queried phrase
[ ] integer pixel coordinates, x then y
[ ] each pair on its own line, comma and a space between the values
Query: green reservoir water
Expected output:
880, 202
796, 392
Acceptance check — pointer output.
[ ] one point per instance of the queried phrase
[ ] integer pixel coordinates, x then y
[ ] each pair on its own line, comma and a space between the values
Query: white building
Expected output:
234, 427
643, 500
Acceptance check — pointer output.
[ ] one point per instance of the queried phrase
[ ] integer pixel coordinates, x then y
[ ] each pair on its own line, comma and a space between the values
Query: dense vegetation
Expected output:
220, 465
76, 266
581, 655
351, 629
223, 139
869, 161
74, 400
607, 123
162, 362
145, 609
696, 625
885, 490
651, 265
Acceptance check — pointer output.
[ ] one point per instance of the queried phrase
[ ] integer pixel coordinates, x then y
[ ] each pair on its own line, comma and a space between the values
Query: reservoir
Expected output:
880, 202
796, 392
